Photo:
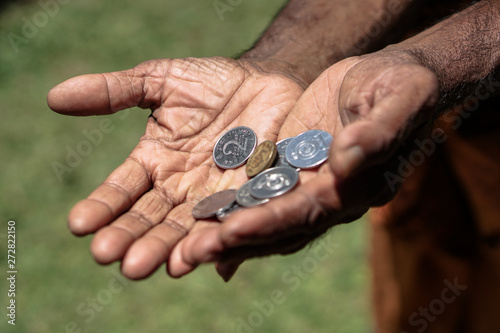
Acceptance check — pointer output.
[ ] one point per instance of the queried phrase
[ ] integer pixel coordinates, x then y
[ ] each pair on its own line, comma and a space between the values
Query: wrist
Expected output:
457, 75
462, 51
276, 67
310, 36
393, 56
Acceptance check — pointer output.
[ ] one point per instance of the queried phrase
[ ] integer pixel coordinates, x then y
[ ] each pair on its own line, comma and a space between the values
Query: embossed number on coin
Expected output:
234, 147
309, 149
274, 182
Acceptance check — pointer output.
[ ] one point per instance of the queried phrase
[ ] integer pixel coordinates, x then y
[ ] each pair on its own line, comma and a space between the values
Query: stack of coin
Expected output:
273, 168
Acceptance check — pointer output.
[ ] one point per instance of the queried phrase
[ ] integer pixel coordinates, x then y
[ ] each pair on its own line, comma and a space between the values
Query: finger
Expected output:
151, 250
227, 270
179, 265
97, 94
285, 217
362, 144
110, 243
113, 197
229, 259
382, 124
284, 246
299, 212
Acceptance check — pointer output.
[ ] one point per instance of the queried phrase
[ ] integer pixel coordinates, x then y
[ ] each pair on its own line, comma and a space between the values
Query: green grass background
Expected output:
56, 273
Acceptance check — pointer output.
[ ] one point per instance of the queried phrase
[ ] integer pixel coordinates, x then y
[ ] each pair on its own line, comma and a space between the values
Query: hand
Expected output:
374, 105
144, 207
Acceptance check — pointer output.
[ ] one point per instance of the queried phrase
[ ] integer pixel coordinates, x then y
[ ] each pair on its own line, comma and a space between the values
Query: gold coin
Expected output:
262, 158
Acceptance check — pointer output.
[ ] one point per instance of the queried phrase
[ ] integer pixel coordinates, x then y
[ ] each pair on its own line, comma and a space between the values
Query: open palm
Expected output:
374, 105
144, 207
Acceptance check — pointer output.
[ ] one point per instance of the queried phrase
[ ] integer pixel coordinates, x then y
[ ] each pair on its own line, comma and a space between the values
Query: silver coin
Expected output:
234, 147
274, 182
214, 203
309, 149
281, 145
245, 199
223, 215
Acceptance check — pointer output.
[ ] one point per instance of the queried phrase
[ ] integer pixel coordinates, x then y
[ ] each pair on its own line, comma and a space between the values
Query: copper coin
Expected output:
262, 158
211, 205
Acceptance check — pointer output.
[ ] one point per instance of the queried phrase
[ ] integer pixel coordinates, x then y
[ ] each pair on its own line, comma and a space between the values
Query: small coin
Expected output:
234, 147
214, 203
262, 158
309, 149
223, 215
245, 199
274, 182
281, 147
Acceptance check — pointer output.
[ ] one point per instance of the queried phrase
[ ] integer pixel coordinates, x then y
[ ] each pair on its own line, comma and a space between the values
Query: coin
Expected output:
281, 147
262, 158
309, 149
245, 199
274, 182
214, 203
234, 147
223, 215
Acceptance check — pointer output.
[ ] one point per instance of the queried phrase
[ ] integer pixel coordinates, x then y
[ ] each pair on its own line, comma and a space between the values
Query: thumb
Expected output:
362, 144
98, 94
375, 133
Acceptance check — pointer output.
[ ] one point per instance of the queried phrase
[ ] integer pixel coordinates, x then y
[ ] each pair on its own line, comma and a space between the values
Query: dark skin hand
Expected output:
375, 106
144, 207
392, 97
142, 211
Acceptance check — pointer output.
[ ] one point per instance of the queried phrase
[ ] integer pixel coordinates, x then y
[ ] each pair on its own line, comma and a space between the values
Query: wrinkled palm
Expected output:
144, 207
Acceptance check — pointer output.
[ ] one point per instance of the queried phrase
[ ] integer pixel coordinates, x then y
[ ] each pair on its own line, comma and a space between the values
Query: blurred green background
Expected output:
59, 286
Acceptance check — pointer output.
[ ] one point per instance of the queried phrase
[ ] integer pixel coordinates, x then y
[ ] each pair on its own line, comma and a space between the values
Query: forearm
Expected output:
461, 50
311, 35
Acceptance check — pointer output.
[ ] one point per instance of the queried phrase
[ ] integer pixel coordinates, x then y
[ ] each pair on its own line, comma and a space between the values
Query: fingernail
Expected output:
351, 159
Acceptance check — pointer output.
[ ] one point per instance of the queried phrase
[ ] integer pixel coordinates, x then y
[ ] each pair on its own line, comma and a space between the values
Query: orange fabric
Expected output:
436, 246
